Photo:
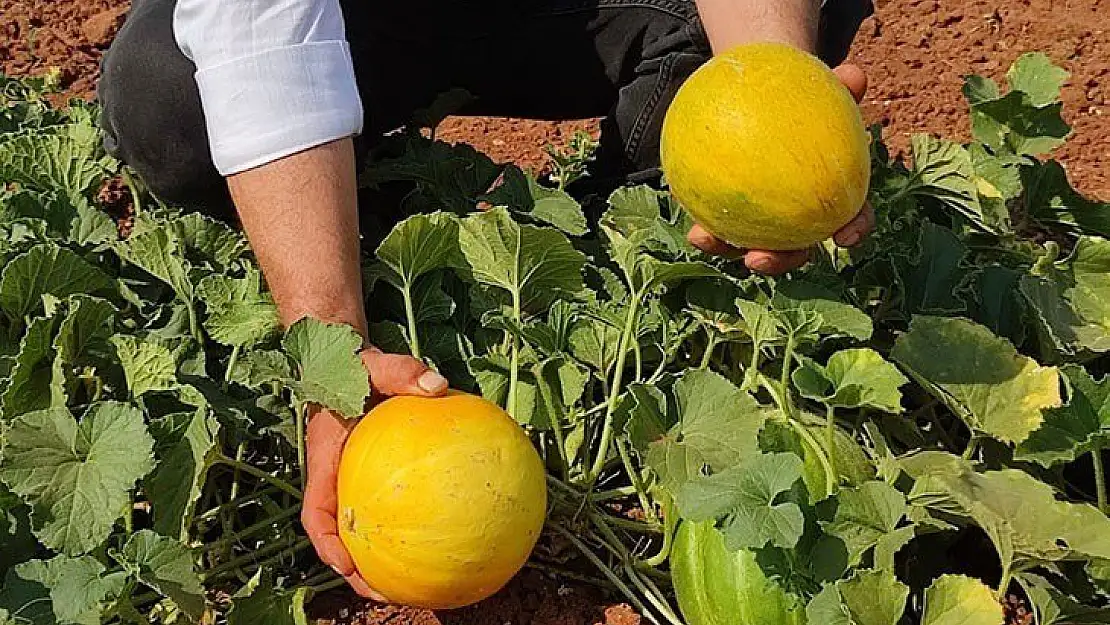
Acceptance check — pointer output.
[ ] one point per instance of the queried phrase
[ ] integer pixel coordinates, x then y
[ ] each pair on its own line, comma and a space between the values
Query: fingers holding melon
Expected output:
766, 148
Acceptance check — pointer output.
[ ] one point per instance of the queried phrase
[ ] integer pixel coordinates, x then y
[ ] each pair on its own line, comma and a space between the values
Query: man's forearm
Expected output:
300, 214
732, 22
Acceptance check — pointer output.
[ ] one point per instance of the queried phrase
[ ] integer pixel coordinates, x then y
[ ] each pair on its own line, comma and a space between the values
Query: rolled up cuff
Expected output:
278, 102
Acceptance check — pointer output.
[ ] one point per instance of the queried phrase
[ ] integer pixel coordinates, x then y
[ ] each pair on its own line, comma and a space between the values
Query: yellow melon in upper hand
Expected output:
441, 500
766, 148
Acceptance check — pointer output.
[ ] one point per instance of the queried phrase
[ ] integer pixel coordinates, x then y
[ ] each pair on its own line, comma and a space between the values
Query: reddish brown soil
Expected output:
915, 53
531, 599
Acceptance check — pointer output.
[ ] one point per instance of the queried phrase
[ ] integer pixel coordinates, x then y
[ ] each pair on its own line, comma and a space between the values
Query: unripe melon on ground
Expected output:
766, 148
440, 500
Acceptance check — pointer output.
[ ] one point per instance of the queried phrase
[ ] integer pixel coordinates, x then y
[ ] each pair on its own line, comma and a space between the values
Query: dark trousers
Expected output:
621, 60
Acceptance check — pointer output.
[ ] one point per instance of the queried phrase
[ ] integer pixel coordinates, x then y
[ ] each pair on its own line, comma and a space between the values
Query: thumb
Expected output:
854, 79
399, 374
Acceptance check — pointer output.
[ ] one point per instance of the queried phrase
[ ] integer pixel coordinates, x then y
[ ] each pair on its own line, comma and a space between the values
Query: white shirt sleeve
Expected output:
275, 76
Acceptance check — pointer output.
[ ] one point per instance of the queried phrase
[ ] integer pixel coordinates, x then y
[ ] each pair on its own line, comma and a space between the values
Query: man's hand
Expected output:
775, 262
390, 374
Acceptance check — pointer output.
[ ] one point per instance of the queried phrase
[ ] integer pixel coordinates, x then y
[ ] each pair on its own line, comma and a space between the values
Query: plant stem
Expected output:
615, 493
253, 529
239, 451
231, 362
614, 391
567, 573
830, 436
972, 446
214, 512
302, 457
326, 586
136, 197
710, 345
753, 367
129, 514
831, 475
260, 474
654, 596
283, 549
410, 317
556, 427
1004, 583
514, 361
1100, 480
945, 437
665, 550
637, 483
605, 570
633, 526
784, 378
639, 359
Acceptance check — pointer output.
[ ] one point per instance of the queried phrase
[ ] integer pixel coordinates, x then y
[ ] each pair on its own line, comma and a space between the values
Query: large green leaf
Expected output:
160, 253
1090, 270
175, 484
717, 428
650, 217
716, 585
1077, 428
1053, 607
534, 265
943, 170
1049, 198
46, 269
209, 240
853, 378
240, 313
1034, 75
933, 278
981, 377
33, 385
866, 598
77, 477
961, 600
447, 177
327, 366
420, 244
78, 589
49, 161
260, 602
86, 327
150, 364
745, 495
523, 195
837, 316
165, 565
1026, 120
1019, 512
866, 515
560, 383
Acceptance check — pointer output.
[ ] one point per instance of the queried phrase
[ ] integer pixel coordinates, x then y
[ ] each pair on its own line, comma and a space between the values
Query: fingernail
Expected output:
431, 382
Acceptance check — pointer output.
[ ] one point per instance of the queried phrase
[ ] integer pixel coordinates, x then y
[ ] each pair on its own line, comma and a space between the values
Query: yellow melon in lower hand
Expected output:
441, 500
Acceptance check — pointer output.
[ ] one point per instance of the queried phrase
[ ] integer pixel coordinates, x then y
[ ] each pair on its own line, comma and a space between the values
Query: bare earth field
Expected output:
915, 53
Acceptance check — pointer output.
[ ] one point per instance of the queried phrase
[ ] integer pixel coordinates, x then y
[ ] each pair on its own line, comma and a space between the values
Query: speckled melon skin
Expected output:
766, 148
441, 500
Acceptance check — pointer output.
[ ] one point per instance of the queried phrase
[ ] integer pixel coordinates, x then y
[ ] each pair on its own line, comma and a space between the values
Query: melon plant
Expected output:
907, 432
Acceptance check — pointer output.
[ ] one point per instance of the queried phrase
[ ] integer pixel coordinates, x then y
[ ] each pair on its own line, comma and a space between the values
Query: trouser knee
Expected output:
152, 118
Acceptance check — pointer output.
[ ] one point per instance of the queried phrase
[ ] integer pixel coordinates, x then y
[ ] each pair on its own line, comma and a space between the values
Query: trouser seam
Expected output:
681, 10
635, 138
